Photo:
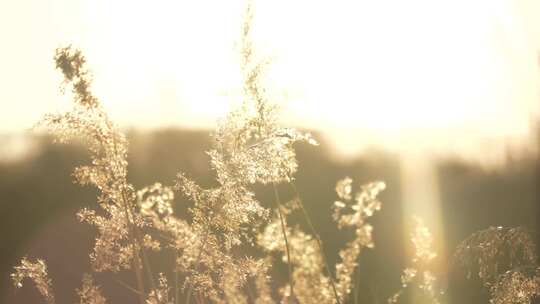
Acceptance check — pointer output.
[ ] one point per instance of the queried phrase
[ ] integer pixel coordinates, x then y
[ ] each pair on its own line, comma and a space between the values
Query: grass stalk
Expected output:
318, 240
284, 230
176, 289
190, 290
128, 287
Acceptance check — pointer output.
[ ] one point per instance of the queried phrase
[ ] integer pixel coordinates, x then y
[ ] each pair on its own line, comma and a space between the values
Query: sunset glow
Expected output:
253, 151
386, 73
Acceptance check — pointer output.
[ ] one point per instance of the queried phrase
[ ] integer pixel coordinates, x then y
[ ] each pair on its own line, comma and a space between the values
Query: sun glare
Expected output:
420, 71
386, 70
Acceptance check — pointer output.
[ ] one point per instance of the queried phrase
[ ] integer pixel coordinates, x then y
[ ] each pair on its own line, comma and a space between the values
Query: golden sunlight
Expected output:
421, 79
384, 73
433, 77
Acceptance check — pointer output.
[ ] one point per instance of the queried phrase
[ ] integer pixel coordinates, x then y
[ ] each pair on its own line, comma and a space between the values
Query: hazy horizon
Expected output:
380, 76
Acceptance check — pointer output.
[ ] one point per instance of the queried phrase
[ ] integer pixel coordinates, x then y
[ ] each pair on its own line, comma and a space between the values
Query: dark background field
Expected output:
38, 202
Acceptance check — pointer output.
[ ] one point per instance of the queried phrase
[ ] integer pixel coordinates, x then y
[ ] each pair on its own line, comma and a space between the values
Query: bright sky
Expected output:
434, 74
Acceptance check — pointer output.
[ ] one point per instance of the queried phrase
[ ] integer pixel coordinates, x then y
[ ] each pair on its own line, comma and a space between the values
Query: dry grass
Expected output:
250, 148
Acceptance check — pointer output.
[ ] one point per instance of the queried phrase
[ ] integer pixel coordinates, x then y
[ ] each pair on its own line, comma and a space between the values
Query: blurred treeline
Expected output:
38, 202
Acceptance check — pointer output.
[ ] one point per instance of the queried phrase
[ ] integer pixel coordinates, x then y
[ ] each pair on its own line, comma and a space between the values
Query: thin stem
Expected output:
146, 262
136, 260
375, 294
131, 221
284, 230
356, 285
176, 289
139, 277
319, 242
251, 294
138, 241
190, 290
188, 296
127, 286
